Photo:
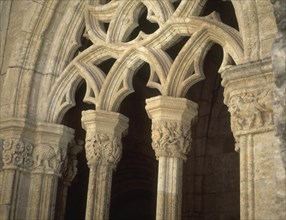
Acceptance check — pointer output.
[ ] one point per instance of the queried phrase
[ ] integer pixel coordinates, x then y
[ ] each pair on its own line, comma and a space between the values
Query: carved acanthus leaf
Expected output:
171, 139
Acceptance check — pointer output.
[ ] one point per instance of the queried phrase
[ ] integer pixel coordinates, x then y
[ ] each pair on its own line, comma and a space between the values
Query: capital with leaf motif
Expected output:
171, 125
103, 136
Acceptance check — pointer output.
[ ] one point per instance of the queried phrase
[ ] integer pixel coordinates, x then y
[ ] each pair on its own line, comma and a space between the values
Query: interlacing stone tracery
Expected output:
110, 27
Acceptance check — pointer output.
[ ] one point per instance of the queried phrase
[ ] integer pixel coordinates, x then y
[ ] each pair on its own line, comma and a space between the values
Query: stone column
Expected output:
171, 137
249, 97
103, 152
31, 155
17, 160
68, 171
50, 150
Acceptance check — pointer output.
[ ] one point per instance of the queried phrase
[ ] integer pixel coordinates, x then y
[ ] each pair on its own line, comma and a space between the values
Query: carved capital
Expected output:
171, 139
104, 148
251, 111
248, 94
17, 153
171, 124
103, 136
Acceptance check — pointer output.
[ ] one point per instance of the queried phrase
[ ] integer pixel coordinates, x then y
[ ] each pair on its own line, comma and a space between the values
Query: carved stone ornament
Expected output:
17, 153
104, 148
171, 139
69, 166
48, 158
251, 111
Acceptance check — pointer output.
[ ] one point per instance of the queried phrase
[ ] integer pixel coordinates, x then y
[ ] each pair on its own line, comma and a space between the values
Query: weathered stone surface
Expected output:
47, 48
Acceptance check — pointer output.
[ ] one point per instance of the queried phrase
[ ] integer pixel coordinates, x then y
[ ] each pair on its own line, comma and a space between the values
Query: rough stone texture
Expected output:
279, 68
31, 161
249, 96
48, 49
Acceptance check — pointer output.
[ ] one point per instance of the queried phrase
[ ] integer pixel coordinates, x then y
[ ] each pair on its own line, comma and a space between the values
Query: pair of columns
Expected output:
171, 123
32, 156
249, 96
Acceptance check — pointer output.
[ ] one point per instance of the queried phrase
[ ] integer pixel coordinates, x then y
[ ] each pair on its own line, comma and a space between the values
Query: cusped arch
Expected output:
171, 78
83, 67
171, 75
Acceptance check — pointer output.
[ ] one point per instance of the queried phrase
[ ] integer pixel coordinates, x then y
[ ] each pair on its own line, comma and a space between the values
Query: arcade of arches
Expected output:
124, 109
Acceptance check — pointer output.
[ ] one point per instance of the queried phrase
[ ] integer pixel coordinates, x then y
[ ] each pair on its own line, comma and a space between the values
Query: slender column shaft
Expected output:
8, 194
35, 196
99, 190
169, 191
61, 201
247, 196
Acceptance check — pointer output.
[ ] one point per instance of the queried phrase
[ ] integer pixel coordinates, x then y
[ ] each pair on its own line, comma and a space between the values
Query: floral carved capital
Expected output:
251, 111
103, 148
171, 139
17, 154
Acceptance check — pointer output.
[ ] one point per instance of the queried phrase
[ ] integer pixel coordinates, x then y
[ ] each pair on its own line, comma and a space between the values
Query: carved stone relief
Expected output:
17, 154
48, 158
22, 154
171, 138
103, 148
251, 110
69, 166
